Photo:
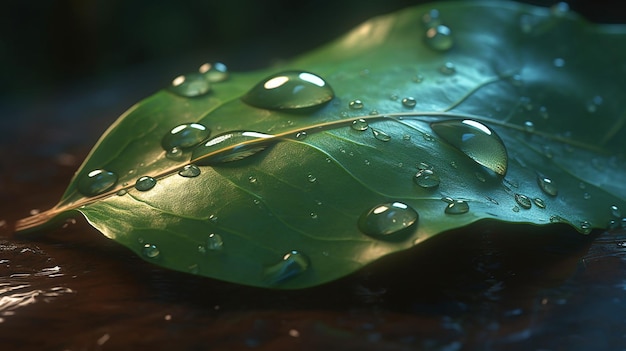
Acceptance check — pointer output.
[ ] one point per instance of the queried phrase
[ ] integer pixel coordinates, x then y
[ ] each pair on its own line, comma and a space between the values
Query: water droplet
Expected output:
431, 18
586, 196
214, 73
380, 135
515, 209
409, 102
547, 185
539, 202
557, 219
615, 211
475, 140
388, 221
529, 126
214, 242
360, 125
97, 182
448, 69
543, 112
293, 264
145, 183
231, 146
290, 90
559, 9
311, 178
151, 251
189, 171
585, 226
426, 178
253, 180
456, 206
301, 135
558, 62
355, 104
418, 78
439, 38
185, 136
313, 215
190, 85
394, 97
523, 201
121, 192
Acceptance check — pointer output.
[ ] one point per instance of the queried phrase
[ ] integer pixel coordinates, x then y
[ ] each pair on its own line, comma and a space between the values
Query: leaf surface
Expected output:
290, 208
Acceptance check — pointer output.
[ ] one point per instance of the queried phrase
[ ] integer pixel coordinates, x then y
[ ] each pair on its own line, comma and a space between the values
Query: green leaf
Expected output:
509, 112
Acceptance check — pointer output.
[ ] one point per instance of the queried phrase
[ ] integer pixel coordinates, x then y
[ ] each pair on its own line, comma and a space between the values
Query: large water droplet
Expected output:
439, 38
360, 125
426, 178
477, 141
145, 183
231, 146
380, 135
388, 221
547, 185
293, 264
96, 182
185, 136
189, 171
214, 73
523, 201
290, 90
456, 206
409, 102
214, 242
151, 251
190, 85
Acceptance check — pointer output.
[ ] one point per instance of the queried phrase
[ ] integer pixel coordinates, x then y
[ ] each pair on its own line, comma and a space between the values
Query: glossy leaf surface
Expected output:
396, 132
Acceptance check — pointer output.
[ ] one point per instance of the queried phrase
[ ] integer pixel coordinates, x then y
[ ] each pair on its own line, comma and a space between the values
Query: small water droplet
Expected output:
290, 90
439, 38
394, 97
406, 137
543, 112
585, 226
145, 183
292, 264
189, 171
185, 136
214, 242
151, 251
586, 196
456, 206
311, 178
523, 201
409, 102
428, 137
529, 126
558, 62
121, 192
190, 85
557, 219
367, 162
559, 9
355, 104
388, 221
431, 18
515, 209
301, 135
539, 202
615, 211
380, 135
418, 78
475, 140
448, 69
253, 180
313, 215
214, 73
231, 146
426, 178
96, 182
373, 112
360, 125
547, 185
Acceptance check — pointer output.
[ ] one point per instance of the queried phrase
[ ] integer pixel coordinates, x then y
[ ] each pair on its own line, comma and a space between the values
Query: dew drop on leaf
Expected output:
388, 221
290, 90
431, 19
529, 126
97, 182
185, 136
145, 183
426, 178
547, 185
380, 135
409, 102
190, 85
301, 135
615, 211
523, 201
559, 9
539, 202
360, 125
214, 73
214, 242
439, 38
355, 104
475, 140
151, 251
311, 178
293, 264
456, 206
189, 171
585, 227
448, 69
231, 146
